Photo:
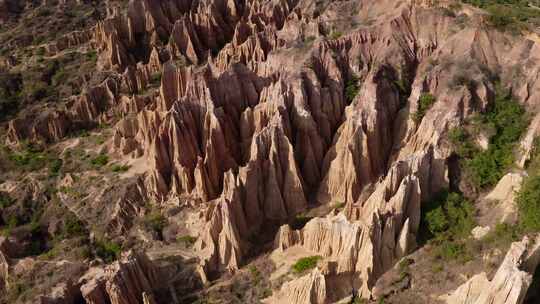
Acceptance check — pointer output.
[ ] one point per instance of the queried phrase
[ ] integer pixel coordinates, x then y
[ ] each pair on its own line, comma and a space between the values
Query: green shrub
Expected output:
92, 56
29, 158
305, 263
188, 240
11, 223
452, 251
335, 35
513, 15
155, 221
73, 226
447, 220
107, 250
508, 120
462, 143
449, 215
54, 168
120, 168
309, 39
59, 77
503, 235
156, 78
528, 201
339, 205
5, 201
358, 300
424, 104
256, 275
351, 88
300, 221
100, 160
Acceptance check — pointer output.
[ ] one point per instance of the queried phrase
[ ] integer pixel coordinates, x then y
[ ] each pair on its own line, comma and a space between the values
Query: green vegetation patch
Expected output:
73, 226
528, 200
300, 221
107, 250
447, 220
5, 201
188, 240
425, 102
155, 221
120, 168
306, 263
100, 161
351, 88
513, 15
336, 35
506, 119
30, 157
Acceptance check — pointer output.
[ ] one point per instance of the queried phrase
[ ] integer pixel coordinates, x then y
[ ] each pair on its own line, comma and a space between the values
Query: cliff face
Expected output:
249, 114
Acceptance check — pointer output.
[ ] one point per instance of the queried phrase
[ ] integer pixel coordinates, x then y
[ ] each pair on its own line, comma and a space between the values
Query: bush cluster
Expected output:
155, 221
351, 88
446, 221
424, 103
305, 263
100, 160
528, 200
107, 250
506, 119
513, 15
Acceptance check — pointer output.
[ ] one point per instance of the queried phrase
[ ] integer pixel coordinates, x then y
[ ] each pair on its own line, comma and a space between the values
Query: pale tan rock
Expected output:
527, 143
479, 232
220, 245
48, 126
362, 146
500, 203
4, 271
122, 282
511, 281
63, 293
309, 289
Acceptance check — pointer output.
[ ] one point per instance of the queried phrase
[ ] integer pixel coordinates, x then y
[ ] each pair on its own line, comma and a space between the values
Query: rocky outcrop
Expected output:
4, 268
499, 205
48, 126
511, 281
349, 249
529, 143
69, 40
93, 104
261, 112
309, 289
63, 293
122, 282
220, 245
383, 227
363, 143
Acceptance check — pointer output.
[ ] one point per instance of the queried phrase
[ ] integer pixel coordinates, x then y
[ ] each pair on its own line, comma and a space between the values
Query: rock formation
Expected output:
122, 282
309, 289
511, 281
249, 113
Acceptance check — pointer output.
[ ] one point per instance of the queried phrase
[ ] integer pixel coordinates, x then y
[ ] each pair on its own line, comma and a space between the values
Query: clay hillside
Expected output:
269, 151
